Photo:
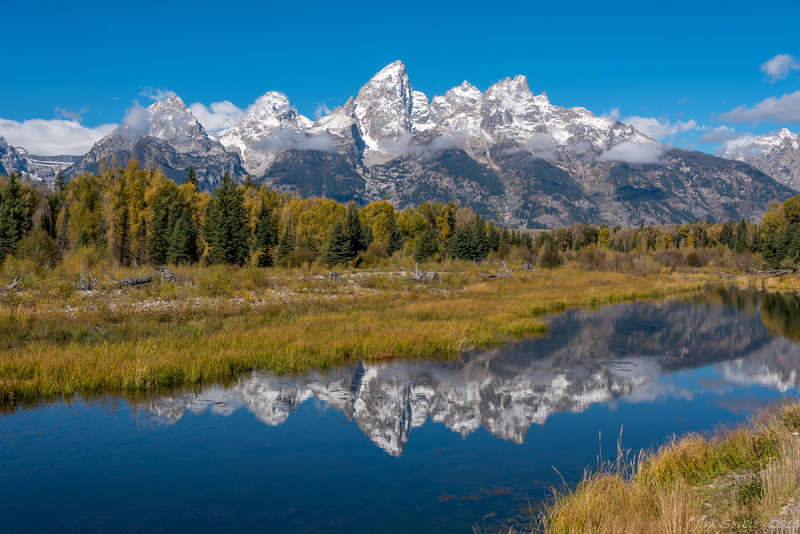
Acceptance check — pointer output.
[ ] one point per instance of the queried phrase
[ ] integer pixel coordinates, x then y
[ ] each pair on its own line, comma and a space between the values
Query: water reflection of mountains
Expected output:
589, 357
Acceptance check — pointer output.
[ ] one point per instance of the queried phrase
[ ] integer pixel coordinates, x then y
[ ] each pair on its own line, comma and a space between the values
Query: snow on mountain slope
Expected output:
270, 126
777, 154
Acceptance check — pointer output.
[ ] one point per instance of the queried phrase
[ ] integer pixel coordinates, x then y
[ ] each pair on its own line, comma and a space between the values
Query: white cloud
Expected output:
785, 108
778, 67
660, 128
632, 152
721, 134
77, 116
156, 93
52, 137
321, 111
613, 114
137, 120
221, 115
281, 140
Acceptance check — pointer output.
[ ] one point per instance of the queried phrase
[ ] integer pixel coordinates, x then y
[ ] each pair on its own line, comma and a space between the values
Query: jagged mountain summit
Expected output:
165, 136
776, 154
510, 154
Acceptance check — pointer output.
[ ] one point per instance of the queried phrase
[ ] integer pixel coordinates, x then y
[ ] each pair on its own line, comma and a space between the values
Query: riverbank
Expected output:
212, 324
744, 479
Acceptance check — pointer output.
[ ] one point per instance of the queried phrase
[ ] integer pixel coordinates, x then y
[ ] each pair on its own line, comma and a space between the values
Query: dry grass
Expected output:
738, 480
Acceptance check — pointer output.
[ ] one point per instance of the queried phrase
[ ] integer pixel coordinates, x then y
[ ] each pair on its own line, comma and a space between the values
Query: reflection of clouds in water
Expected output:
639, 352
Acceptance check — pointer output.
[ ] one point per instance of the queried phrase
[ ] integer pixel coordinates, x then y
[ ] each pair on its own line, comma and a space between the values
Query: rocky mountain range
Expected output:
777, 155
17, 159
589, 358
508, 153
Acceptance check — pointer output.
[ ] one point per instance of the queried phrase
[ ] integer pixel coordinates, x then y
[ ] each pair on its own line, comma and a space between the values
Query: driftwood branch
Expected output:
505, 274
14, 283
423, 276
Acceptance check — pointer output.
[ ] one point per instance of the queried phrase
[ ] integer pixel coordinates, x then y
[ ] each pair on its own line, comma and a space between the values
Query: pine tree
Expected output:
741, 240
265, 237
227, 229
14, 221
60, 183
160, 230
426, 246
191, 177
249, 183
494, 238
395, 237
461, 243
183, 239
340, 250
285, 245
359, 236
479, 243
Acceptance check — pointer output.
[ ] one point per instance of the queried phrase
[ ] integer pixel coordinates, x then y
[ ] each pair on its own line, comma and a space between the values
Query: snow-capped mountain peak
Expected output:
270, 125
384, 106
776, 154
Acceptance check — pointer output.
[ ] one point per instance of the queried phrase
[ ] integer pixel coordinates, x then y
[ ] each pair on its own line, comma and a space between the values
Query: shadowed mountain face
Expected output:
590, 357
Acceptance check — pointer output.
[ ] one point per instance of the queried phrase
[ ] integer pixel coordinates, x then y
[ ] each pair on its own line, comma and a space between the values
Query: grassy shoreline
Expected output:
742, 479
231, 321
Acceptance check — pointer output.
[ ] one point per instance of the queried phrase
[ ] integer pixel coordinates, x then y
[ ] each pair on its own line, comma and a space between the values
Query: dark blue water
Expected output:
408, 447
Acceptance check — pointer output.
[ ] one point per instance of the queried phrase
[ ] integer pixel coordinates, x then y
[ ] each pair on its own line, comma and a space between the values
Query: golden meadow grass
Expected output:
224, 322
745, 479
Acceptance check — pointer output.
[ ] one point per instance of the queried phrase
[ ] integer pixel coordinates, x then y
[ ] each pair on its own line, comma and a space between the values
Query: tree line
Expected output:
138, 216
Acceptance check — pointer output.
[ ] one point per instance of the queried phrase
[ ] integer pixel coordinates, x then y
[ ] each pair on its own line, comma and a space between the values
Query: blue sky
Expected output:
680, 67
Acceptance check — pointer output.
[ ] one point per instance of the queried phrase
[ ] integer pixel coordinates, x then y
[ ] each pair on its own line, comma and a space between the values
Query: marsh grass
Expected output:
744, 479
219, 322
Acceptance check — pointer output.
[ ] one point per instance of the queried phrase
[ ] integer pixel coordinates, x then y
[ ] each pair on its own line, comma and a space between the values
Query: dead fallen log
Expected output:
505, 274
87, 283
133, 282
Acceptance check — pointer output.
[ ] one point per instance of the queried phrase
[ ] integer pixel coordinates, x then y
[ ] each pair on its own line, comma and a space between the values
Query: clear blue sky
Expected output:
672, 61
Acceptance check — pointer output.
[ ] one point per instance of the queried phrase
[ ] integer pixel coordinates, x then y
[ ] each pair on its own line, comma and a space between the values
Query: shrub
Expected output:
550, 259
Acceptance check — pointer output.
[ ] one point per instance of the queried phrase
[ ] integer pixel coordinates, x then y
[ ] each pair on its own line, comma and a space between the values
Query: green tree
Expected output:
265, 238
461, 243
191, 177
183, 239
426, 246
340, 247
14, 220
285, 245
359, 235
60, 183
227, 229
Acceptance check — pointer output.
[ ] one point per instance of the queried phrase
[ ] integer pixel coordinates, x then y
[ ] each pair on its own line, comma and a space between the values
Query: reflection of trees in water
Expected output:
589, 357
781, 315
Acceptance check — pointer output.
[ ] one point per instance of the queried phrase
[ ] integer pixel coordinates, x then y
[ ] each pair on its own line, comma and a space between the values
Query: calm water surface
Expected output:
406, 447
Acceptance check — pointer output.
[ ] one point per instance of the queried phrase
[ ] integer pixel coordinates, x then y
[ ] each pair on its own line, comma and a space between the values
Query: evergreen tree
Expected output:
285, 245
741, 240
340, 249
160, 230
60, 183
227, 229
359, 235
183, 239
265, 238
191, 177
493, 238
426, 246
395, 238
14, 221
249, 183
461, 243
479, 243
755, 244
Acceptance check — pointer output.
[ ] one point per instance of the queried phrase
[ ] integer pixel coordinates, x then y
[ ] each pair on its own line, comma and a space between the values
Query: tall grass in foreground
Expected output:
167, 336
745, 479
